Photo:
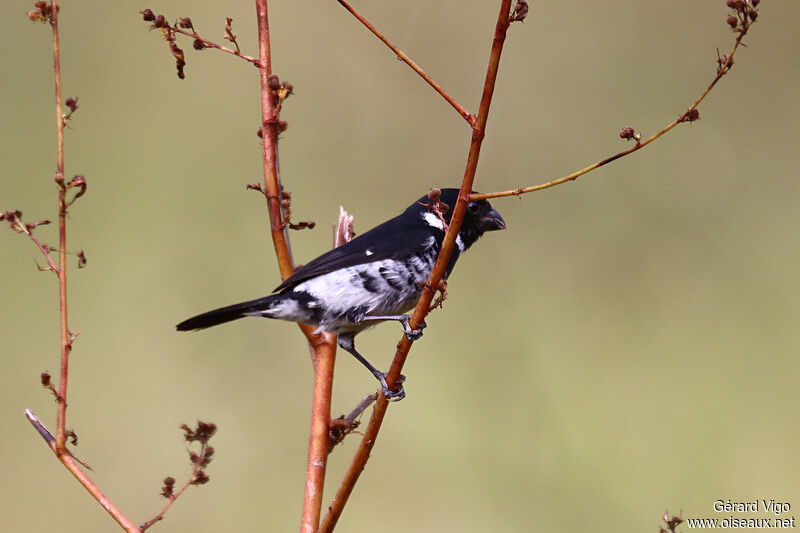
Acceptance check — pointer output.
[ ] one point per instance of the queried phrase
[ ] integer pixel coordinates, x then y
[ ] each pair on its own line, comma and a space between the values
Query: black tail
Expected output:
225, 314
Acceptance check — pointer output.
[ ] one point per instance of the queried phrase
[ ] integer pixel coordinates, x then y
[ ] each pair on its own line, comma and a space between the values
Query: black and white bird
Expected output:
375, 277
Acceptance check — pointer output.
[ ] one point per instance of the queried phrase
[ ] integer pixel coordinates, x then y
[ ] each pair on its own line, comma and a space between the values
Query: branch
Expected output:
324, 345
49, 13
69, 461
423, 306
747, 13
14, 219
344, 425
66, 342
210, 44
407, 60
202, 434
185, 27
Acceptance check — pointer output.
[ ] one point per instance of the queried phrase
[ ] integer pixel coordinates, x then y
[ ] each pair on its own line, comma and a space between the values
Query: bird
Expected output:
376, 277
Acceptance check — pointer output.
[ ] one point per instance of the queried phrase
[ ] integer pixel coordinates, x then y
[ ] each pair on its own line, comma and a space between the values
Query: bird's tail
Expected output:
228, 314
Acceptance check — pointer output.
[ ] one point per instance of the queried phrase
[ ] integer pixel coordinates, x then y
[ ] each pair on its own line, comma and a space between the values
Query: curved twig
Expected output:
469, 117
691, 114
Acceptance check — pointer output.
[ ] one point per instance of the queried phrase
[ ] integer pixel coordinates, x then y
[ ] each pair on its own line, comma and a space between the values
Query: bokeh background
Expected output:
628, 345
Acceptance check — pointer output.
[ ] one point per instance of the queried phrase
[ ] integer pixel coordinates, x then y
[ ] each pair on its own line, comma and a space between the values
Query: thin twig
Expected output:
423, 306
341, 427
17, 225
177, 494
66, 343
57, 443
469, 117
722, 69
212, 44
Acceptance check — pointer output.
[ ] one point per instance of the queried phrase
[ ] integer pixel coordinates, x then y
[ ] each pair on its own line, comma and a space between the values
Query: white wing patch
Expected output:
368, 252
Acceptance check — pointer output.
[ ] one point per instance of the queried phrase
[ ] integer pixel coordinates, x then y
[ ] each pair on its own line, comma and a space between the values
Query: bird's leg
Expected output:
347, 343
411, 334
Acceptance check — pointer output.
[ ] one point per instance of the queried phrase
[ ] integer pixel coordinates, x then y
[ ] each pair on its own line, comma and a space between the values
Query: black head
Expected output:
480, 216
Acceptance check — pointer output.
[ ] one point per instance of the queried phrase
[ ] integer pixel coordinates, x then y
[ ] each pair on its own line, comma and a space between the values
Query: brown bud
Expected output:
167, 489
690, 116
205, 430
732, 21
273, 82
627, 133
520, 11
186, 23
285, 90
160, 21
198, 44
180, 62
148, 15
201, 478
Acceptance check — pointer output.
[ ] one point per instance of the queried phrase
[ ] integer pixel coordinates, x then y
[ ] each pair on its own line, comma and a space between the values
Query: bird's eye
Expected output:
473, 207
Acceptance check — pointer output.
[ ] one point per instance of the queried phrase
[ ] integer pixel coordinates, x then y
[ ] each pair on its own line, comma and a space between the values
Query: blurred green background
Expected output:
629, 345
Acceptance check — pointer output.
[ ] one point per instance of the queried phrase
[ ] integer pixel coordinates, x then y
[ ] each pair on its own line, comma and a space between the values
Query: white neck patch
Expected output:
432, 219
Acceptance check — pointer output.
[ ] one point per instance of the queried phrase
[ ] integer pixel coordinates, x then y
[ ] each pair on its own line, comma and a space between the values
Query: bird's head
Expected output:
479, 218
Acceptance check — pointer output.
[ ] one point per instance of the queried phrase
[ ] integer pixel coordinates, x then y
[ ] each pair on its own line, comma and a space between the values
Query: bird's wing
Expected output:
397, 238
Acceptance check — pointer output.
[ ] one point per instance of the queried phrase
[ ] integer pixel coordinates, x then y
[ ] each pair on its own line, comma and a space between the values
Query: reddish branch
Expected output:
66, 343
423, 306
323, 345
71, 462
49, 13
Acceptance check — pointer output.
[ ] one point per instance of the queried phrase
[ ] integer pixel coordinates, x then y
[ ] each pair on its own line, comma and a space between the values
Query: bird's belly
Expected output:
380, 288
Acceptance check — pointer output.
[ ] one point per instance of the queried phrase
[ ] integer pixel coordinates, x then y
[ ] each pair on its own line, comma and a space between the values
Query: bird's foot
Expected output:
392, 395
413, 334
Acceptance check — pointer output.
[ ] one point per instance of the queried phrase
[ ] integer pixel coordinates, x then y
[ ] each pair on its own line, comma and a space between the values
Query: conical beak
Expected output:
492, 221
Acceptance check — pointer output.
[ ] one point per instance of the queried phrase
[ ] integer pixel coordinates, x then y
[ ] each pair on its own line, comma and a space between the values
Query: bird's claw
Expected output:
392, 395
413, 334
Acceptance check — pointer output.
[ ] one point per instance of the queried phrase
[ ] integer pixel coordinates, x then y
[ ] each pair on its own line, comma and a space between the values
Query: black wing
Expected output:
397, 238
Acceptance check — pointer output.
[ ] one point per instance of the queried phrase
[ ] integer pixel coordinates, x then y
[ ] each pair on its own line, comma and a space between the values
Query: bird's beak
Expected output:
492, 221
